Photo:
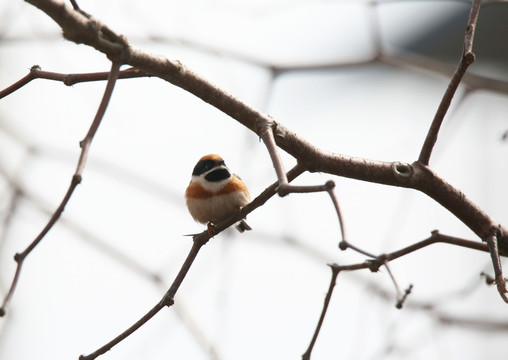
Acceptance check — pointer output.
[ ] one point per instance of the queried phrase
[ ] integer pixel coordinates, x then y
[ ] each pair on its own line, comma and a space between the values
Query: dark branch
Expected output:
333, 280
414, 176
198, 241
467, 59
75, 181
498, 272
67, 79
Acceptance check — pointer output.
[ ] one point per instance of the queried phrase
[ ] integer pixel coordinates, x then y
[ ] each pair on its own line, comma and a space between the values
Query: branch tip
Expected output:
335, 272
329, 185
19, 257
400, 302
489, 280
466, 60
492, 242
469, 58
77, 178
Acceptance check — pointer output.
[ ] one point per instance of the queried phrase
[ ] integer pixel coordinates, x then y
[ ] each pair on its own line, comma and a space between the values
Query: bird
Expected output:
215, 193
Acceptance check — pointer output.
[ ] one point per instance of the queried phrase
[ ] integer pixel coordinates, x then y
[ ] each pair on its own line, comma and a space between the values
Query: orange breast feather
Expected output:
196, 191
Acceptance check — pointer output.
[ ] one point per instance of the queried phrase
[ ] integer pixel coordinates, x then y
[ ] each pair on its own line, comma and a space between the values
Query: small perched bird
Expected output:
214, 193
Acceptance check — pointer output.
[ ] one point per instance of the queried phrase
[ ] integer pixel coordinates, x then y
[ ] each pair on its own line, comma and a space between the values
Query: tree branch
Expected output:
68, 79
498, 272
75, 181
198, 241
467, 59
333, 280
416, 176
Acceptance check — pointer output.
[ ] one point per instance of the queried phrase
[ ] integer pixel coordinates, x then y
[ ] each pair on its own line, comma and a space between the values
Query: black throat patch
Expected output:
218, 175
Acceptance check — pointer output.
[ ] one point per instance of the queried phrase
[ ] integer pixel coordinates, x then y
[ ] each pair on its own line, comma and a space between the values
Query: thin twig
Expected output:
400, 296
16, 196
402, 299
167, 299
335, 201
284, 187
68, 79
18, 84
86, 142
269, 140
467, 59
394, 281
374, 265
345, 244
496, 262
75, 181
436, 237
333, 280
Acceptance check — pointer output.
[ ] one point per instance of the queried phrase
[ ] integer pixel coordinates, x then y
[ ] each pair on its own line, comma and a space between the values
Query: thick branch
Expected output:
416, 176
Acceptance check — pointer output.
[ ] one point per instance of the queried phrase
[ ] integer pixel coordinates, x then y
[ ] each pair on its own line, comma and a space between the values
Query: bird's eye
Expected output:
203, 166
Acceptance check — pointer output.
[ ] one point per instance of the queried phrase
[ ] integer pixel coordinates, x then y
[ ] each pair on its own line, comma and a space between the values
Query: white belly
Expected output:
218, 208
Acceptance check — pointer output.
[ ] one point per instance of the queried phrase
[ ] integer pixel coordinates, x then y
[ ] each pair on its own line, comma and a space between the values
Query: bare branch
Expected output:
374, 265
68, 79
496, 262
398, 292
414, 176
333, 280
335, 202
403, 297
198, 241
77, 26
436, 237
20, 257
167, 300
467, 59
20, 83
75, 181
269, 140
87, 141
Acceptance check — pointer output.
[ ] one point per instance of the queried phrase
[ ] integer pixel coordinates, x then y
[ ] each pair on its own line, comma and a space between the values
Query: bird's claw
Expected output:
211, 229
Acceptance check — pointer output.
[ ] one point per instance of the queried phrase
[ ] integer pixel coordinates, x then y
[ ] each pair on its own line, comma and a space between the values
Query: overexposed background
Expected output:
257, 295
